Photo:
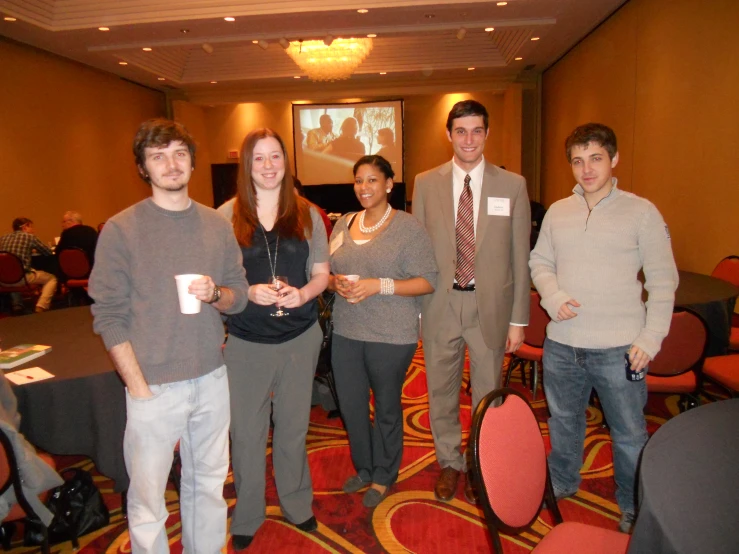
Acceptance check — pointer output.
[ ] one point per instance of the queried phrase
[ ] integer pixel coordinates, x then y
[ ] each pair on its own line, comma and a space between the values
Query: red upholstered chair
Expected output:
531, 350
10, 477
724, 372
728, 270
677, 367
13, 276
512, 478
74, 263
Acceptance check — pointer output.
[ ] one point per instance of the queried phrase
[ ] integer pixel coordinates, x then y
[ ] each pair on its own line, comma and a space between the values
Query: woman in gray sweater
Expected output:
382, 262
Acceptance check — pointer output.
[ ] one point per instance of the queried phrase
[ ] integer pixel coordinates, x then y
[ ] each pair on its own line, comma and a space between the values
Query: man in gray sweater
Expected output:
171, 363
591, 247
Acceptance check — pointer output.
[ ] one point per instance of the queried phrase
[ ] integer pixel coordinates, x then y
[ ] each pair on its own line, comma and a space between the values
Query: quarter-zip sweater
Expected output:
594, 257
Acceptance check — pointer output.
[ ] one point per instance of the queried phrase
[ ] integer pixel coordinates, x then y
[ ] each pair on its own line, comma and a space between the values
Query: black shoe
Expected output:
239, 542
308, 526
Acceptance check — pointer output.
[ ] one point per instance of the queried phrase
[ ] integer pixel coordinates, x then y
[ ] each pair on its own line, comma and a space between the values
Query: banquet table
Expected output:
713, 299
82, 409
688, 484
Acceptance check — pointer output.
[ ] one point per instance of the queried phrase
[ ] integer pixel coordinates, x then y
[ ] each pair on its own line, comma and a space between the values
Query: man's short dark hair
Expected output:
159, 133
19, 222
466, 108
598, 133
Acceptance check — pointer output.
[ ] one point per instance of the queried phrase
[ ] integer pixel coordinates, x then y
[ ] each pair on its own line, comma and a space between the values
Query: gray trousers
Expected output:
279, 376
358, 366
444, 356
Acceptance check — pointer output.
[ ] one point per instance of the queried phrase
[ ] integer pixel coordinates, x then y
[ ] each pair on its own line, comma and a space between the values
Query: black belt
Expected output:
468, 288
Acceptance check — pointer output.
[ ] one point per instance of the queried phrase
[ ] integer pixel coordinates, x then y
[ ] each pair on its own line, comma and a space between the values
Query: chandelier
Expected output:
330, 63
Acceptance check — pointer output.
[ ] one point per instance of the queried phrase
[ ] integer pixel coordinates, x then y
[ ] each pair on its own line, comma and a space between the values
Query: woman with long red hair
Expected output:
273, 345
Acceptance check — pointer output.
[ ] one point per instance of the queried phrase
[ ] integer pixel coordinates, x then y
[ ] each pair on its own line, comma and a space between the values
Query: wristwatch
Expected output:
216, 294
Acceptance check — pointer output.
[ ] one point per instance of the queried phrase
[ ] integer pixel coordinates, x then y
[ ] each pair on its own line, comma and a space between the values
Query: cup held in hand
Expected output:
352, 278
189, 304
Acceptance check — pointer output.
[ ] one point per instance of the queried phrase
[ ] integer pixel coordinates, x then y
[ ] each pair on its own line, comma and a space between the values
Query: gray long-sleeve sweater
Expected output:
595, 258
138, 254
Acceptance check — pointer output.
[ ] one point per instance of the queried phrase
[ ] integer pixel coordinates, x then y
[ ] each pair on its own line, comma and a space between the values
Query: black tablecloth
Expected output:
714, 300
82, 410
689, 484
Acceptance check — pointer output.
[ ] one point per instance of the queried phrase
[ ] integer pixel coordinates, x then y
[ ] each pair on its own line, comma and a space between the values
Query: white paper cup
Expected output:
352, 278
189, 304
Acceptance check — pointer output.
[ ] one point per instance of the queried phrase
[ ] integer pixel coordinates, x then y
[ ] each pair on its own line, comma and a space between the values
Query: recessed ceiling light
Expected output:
255, 42
502, 4
161, 79
229, 18
103, 28
362, 11
146, 49
470, 69
213, 82
518, 59
534, 38
383, 72
372, 35
184, 31
10, 19
122, 63
489, 29
296, 77
429, 15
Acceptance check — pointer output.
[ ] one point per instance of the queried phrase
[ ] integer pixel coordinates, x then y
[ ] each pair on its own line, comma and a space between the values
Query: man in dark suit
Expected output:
77, 235
478, 217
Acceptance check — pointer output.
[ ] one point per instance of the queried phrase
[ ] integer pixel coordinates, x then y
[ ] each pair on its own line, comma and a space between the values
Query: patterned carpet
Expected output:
409, 519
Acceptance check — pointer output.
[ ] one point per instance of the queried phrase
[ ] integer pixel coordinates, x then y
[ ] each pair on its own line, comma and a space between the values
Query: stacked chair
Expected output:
532, 349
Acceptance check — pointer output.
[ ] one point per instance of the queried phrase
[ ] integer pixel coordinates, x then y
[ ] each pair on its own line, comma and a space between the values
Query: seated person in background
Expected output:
77, 235
347, 145
320, 139
22, 242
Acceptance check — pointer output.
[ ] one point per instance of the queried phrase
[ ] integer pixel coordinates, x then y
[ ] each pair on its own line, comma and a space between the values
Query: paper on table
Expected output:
28, 375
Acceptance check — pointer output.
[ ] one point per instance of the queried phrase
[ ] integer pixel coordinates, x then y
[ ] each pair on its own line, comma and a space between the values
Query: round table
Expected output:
689, 484
713, 299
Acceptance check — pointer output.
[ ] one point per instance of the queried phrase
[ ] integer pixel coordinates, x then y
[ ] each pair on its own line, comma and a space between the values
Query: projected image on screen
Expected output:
330, 138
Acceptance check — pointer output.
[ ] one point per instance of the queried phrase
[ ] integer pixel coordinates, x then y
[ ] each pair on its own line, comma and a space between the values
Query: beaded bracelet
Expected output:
387, 286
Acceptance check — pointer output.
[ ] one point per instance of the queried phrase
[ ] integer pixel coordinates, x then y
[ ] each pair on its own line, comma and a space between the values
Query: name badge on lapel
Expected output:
336, 244
499, 206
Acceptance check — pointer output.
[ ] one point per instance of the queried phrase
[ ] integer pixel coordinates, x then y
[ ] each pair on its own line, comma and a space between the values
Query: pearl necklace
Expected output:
376, 226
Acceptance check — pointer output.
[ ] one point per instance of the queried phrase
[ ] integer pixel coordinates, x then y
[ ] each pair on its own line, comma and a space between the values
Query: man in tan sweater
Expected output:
585, 264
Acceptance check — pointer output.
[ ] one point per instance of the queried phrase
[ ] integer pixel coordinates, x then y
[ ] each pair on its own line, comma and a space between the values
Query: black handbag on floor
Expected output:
78, 509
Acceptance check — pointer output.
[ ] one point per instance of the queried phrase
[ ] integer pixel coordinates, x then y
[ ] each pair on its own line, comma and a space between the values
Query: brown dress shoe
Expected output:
470, 494
446, 484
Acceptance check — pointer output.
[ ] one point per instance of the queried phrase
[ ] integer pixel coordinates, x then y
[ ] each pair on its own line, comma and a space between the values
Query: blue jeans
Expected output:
569, 375
195, 413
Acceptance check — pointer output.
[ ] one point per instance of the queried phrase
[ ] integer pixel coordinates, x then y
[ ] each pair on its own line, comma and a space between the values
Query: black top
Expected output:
255, 324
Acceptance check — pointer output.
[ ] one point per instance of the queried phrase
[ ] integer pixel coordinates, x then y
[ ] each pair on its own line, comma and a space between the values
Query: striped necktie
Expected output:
465, 237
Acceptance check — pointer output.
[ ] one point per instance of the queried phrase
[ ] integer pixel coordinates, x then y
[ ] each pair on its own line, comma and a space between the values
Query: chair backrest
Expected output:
509, 460
6, 475
74, 263
536, 331
728, 270
684, 347
11, 268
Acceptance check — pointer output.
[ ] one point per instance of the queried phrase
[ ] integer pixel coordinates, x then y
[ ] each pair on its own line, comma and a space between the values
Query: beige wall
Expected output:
426, 144
65, 139
663, 74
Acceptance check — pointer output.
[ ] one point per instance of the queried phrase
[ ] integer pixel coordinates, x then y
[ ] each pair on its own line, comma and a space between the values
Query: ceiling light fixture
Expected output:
372, 35
534, 38
122, 63
328, 39
461, 33
207, 48
161, 79
518, 59
284, 43
489, 29
103, 28
470, 69
383, 72
229, 19
11, 19
502, 4
263, 44
330, 63
362, 11
213, 82
146, 49
184, 31
255, 42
